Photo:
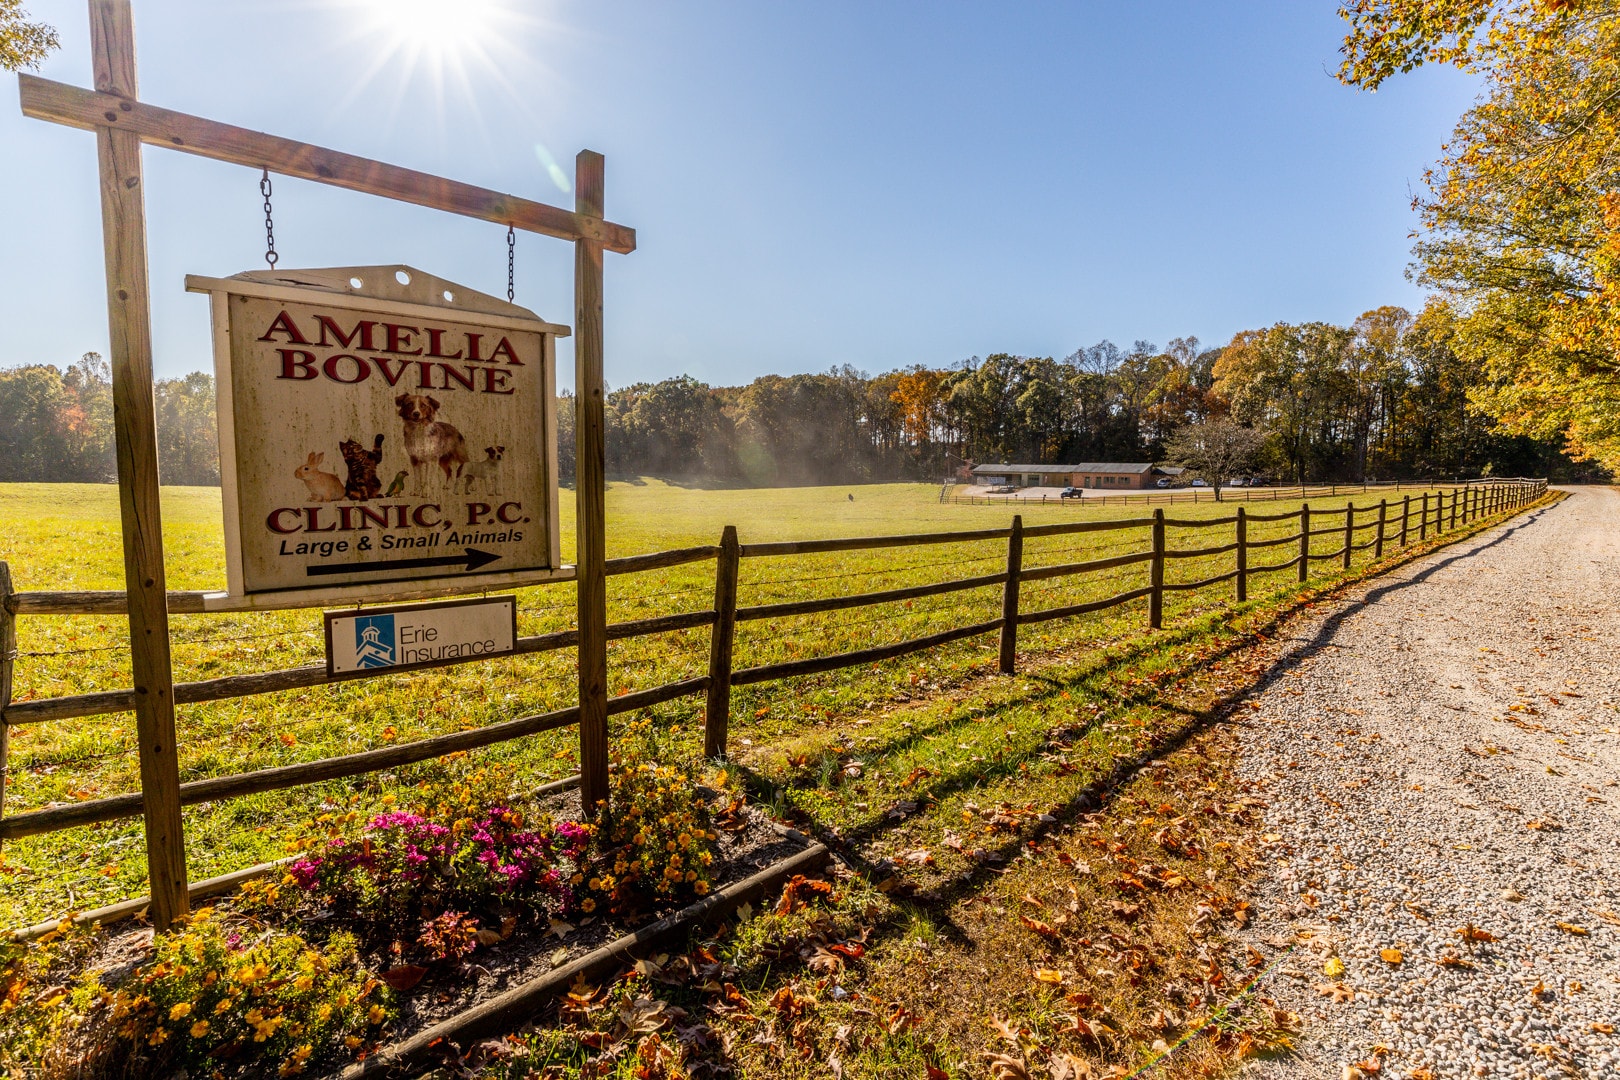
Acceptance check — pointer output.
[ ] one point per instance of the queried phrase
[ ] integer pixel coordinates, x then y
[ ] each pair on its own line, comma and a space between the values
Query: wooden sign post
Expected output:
122, 123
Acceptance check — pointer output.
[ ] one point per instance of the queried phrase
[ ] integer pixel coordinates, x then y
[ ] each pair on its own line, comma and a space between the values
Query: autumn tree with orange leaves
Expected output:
1521, 224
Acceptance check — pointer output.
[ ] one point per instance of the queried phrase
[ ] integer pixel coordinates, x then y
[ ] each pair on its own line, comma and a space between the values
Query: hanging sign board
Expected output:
381, 426
419, 635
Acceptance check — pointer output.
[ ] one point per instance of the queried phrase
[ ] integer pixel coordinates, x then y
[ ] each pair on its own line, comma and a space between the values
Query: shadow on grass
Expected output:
1092, 680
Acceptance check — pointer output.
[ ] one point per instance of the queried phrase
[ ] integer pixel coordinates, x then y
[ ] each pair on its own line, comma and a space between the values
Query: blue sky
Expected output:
812, 184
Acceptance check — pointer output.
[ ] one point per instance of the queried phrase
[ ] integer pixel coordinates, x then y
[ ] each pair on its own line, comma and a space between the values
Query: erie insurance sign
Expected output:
378, 425
419, 635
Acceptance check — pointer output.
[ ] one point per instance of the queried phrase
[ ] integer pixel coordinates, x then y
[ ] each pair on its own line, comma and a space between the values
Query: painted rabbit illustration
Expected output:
323, 486
362, 483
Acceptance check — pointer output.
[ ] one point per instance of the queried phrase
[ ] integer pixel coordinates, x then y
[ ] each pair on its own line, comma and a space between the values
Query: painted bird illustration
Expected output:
398, 485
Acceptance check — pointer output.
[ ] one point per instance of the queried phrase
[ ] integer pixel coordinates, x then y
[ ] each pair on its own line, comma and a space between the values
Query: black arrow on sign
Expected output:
470, 561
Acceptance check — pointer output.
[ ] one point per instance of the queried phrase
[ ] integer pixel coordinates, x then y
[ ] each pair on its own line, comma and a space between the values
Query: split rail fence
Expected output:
1156, 496
1386, 525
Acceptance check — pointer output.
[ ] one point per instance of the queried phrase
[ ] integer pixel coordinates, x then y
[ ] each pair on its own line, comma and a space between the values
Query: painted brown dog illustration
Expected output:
362, 483
429, 441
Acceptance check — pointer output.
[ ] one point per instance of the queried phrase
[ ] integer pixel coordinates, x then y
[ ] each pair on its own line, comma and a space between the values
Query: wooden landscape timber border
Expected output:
122, 125
1460, 506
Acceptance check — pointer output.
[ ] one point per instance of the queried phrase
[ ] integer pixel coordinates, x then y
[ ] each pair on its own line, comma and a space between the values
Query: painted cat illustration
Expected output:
362, 483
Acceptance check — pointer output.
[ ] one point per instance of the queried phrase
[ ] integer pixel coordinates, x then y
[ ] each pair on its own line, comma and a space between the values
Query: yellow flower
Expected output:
157, 1036
180, 1011
376, 1014
587, 905
352, 1041
303, 982
199, 1029
700, 887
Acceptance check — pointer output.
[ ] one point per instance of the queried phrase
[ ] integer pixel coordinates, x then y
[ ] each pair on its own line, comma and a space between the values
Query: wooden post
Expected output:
129, 324
1383, 516
8, 661
1406, 513
1349, 531
1009, 597
1156, 570
1242, 555
717, 718
590, 467
1453, 523
1304, 541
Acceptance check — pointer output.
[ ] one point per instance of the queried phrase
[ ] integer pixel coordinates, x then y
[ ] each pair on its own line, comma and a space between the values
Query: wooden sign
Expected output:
405, 637
379, 425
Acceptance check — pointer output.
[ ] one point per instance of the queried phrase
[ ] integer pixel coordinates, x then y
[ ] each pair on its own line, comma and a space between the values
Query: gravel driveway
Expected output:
1441, 753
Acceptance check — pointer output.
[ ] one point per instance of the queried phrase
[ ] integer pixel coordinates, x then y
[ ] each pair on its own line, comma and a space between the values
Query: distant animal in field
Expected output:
429, 441
487, 470
397, 485
362, 483
852, 496
323, 486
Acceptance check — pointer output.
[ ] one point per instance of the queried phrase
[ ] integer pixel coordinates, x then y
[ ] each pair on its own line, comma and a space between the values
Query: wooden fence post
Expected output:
1349, 531
717, 717
1453, 525
1423, 519
590, 469
1009, 597
1383, 516
1242, 555
8, 660
1304, 541
1156, 573
129, 324
1406, 514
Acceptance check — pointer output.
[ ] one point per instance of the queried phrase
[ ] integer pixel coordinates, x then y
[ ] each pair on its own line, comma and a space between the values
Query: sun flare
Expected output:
438, 27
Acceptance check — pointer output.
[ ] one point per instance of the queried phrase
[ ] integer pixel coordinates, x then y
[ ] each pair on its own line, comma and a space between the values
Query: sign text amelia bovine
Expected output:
381, 425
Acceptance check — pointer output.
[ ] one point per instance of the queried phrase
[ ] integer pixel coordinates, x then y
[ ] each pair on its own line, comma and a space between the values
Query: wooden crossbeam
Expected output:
44, 99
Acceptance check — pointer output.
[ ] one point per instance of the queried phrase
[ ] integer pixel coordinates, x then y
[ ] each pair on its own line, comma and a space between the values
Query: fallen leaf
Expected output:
1339, 992
404, 977
1068, 1067
1391, 956
1043, 929
1603, 1029
1333, 968
1005, 1067
1004, 1029
1571, 928
1048, 975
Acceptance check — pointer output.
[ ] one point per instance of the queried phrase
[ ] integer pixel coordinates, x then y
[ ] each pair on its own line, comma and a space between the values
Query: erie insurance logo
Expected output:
374, 641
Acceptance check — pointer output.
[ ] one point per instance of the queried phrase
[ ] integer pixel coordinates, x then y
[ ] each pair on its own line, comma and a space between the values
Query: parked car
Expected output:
1164, 481
1003, 489
1199, 483
1237, 482
1072, 493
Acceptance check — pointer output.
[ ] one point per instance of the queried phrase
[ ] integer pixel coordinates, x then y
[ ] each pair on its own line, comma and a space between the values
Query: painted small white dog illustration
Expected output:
487, 471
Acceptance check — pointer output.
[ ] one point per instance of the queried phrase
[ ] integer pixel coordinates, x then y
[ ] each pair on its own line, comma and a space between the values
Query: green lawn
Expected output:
66, 537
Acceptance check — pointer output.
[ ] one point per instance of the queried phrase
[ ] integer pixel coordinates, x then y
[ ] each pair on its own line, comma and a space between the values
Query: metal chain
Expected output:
270, 255
511, 259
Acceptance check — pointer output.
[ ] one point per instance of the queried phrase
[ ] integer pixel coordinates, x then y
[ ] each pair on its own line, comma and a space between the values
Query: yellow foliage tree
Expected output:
1522, 220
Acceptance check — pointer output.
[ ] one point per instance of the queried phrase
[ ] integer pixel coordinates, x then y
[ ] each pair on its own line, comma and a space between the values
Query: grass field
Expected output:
66, 537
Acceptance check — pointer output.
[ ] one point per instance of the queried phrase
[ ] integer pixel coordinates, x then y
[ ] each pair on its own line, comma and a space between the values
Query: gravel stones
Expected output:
1440, 755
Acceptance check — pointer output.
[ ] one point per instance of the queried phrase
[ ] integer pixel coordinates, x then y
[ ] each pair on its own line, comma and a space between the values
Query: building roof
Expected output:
1083, 467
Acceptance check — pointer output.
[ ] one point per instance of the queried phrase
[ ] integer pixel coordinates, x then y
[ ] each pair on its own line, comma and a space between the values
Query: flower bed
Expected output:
387, 920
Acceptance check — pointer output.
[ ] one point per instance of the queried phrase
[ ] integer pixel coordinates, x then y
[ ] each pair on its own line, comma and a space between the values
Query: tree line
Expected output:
1390, 397
57, 425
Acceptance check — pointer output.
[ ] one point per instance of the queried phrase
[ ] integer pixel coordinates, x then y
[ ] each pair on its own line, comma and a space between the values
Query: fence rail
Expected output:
1395, 523
1152, 495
